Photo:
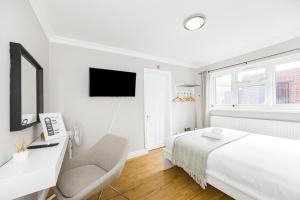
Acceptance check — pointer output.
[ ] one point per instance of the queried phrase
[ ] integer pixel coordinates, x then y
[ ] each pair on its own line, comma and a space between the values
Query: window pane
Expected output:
287, 79
251, 74
252, 95
223, 89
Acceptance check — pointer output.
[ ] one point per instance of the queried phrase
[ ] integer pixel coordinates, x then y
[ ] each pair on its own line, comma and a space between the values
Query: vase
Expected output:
21, 156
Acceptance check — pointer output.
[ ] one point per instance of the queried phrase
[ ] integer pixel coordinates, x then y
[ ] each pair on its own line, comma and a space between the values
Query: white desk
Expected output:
38, 173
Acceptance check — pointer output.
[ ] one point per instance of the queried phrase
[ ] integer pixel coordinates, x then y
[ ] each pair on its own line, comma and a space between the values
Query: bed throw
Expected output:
191, 151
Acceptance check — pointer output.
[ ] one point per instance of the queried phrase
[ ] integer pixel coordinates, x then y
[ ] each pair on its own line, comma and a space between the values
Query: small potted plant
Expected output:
21, 154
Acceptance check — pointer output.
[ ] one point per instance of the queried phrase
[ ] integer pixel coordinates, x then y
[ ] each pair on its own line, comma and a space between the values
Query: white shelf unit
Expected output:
184, 110
183, 90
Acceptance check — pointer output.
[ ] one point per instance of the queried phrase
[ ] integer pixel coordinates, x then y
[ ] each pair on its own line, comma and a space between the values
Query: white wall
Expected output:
18, 24
69, 92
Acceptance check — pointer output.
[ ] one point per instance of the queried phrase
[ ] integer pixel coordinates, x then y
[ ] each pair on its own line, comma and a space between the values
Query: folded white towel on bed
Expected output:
217, 130
215, 133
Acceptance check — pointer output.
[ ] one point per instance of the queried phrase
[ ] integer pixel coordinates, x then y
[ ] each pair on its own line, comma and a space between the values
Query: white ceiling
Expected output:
153, 29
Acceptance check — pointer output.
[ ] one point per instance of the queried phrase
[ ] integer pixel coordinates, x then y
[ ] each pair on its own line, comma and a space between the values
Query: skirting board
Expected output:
137, 153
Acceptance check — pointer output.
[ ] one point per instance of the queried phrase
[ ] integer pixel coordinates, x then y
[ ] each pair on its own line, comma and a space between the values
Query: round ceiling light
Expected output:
194, 22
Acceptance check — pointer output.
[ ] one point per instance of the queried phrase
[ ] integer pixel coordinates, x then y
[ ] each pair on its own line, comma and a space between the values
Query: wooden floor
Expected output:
144, 178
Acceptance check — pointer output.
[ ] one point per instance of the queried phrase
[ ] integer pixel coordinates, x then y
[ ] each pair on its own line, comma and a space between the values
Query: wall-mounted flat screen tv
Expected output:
111, 83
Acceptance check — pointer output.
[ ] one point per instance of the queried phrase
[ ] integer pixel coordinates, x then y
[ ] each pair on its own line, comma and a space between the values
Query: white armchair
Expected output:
92, 170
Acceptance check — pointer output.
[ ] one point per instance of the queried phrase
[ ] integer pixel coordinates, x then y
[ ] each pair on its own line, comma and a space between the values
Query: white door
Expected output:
157, 92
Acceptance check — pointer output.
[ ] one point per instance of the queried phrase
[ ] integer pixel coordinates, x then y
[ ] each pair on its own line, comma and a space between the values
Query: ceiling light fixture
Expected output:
194, 22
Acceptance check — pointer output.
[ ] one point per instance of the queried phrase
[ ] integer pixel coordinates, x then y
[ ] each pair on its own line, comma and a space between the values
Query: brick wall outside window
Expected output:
288, 86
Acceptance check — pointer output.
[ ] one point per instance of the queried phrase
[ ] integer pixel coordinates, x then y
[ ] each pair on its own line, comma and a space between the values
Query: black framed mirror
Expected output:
26, 88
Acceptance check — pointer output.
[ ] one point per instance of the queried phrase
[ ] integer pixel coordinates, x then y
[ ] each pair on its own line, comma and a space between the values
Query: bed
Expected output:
254, 167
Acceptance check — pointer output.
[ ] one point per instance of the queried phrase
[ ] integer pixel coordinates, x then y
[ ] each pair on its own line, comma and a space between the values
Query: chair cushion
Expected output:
72, 181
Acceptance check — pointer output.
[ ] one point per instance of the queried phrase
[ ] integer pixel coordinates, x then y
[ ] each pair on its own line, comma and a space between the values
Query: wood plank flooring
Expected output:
143, 178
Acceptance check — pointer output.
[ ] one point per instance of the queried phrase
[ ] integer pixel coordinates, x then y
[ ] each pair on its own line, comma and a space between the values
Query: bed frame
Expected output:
284, 129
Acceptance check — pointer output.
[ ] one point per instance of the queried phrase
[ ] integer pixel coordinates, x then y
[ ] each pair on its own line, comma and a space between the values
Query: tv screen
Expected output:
111, 83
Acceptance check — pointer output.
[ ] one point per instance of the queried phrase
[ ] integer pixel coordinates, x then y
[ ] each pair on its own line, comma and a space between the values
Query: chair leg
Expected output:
100, 194
51, 197
119, 193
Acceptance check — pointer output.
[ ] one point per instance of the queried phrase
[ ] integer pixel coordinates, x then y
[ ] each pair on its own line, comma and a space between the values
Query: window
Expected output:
266, 84
251, 74
251, 86
282, 92
223, 90
252, 95
287, 79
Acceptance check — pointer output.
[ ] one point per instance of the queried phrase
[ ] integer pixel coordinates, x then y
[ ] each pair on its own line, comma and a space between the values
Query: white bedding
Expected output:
263, 167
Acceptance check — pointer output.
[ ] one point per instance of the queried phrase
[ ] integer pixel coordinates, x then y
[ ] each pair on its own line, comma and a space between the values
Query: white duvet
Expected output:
263, 167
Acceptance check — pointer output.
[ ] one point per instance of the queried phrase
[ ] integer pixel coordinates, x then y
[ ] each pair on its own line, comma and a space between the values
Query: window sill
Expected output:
261, 108
264, 114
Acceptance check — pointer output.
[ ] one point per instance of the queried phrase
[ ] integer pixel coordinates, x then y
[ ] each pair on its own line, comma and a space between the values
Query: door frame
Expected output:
169, 76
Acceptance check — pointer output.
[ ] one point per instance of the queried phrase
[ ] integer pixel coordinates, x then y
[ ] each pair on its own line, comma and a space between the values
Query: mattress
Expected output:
263, 167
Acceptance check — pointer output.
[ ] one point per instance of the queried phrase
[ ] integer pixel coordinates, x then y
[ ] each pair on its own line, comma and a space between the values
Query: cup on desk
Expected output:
21, 156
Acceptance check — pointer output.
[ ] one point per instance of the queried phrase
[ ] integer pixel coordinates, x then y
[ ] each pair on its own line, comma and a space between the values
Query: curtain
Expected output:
204, 98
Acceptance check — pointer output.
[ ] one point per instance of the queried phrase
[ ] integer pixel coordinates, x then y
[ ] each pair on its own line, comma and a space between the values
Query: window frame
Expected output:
269, 81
